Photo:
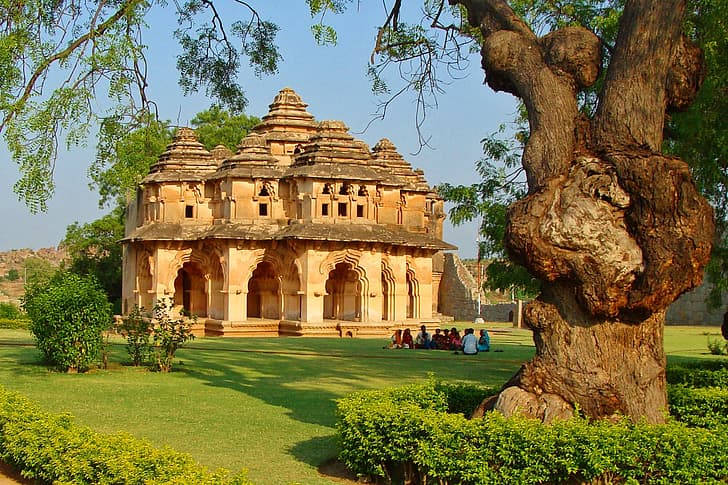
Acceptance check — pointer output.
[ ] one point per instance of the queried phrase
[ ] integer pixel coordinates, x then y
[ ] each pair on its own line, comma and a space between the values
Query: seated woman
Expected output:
484, 341
395, 341
407, 340
439, 341
455, 342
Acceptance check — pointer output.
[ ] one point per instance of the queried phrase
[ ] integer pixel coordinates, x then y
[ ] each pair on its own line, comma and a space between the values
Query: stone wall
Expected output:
690, 309
458, 298
458, 290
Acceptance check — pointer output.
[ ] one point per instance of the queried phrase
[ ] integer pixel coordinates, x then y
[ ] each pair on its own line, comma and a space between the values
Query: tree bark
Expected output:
614, 229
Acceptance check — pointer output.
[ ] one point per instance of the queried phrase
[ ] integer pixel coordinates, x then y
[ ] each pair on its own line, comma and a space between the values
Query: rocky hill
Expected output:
15, 265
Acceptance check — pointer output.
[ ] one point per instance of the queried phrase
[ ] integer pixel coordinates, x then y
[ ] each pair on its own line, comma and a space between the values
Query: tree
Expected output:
12, 275
68, 315
700, 134
37, 270
216, 126
124, 154
95, 250
614, 229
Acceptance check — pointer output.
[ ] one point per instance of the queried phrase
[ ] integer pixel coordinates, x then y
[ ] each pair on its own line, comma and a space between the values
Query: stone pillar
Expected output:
314, 287
423, 273
235, 291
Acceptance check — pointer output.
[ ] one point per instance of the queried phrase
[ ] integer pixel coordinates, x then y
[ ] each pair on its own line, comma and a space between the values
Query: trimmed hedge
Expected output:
14, 323
406, 435
707, 373
52, 449
705, 407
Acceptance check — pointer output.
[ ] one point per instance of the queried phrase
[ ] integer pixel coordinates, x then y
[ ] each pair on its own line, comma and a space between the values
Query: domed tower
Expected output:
175, 189
287, 126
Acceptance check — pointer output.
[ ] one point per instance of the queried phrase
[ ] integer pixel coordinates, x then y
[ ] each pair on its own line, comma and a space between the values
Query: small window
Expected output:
189, 211
344, 189
262, 209
324, 209
327, 189
359, 210
264, 192
362, 191
342, 209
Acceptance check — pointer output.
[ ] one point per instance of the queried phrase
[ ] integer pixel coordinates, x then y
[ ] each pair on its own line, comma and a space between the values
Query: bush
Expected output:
12, 275
169, 334
717, 347
52, 449
464, 398
137, 329
7, 323
9, 311
703, 373
702, 407
68, 314
382, 434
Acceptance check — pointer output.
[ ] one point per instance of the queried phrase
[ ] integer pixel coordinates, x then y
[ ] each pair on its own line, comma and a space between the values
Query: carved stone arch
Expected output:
265, 285
346, 297
191, 281
350, 256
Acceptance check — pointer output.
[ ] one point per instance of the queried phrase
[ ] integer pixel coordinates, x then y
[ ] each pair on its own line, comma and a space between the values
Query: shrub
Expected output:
717, 347
68, 314
169, 334
7, 323
383, 435
12, 275
705, 407
137, 329
9, 311
52, 449
702, 373
464, 398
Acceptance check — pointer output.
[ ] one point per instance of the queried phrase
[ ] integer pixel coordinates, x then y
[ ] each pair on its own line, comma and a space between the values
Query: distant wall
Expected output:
458, 290
459, 299
690, 309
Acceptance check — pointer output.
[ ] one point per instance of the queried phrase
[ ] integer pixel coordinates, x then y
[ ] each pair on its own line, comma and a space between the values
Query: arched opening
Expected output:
343, 294
264, 293
190, 297
413, 296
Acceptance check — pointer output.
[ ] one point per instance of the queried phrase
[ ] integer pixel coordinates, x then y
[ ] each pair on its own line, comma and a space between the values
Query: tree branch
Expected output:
43, 67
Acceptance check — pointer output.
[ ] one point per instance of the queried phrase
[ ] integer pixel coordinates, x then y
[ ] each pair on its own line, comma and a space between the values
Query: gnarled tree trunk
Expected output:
615, 229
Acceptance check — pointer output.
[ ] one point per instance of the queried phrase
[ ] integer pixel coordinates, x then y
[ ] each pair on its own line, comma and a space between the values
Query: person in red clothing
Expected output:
407, 340
455, 342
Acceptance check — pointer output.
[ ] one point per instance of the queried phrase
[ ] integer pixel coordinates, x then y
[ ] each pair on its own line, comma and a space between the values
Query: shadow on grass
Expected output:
307, 380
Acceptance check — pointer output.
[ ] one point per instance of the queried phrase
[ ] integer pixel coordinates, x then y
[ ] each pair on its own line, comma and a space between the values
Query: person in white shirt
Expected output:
423, 339
470, 342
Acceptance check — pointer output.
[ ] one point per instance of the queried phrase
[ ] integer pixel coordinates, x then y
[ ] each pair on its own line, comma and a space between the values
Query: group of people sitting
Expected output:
446, 339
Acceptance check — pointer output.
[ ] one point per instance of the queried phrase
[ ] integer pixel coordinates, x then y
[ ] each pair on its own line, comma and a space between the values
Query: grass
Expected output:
262, 404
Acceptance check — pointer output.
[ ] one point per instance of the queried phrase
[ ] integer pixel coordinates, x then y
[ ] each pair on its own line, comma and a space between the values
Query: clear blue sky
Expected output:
330, 79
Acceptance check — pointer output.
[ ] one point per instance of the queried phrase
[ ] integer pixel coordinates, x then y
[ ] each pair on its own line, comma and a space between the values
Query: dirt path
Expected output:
8, 476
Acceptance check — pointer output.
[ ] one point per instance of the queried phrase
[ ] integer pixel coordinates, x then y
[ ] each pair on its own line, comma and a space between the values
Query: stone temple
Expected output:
304, 231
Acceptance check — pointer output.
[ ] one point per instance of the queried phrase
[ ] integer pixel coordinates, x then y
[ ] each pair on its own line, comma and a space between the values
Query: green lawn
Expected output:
262, 404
